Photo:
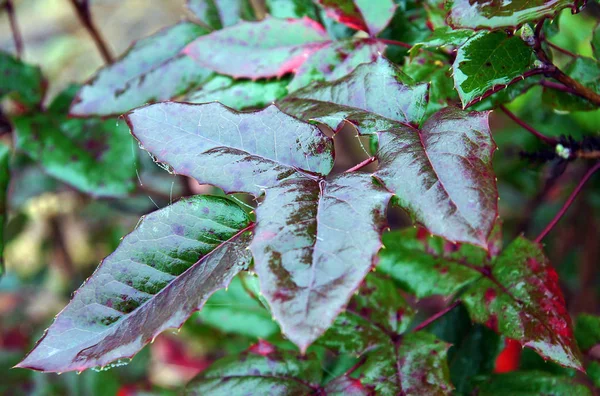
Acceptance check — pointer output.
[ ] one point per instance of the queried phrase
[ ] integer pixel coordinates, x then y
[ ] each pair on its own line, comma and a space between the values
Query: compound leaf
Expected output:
221, 13
238, 152
314, 243
160, 273
24, 81
153, 69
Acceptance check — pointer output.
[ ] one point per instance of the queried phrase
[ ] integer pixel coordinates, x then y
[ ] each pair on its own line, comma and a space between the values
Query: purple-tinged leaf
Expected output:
268, 48
521, 299
221, 13
489, 61
238, 152
261, 370
374, 97
442, 174
335, 61
498, 15
427, 266
315, 241
160, 273
347, 386
371, 16
151, 70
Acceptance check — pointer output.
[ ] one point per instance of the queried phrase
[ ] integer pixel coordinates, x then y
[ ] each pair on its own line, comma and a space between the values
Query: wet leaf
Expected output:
587, 72
371, 16
587, 331
240, 94
521, 299
314, 243
291, 9
221, 13
489, 60
441, 37
427, 266
160, 273
268, 48
151, 70
261, 370
92, 155
238, 152
498, 15
531, 383
5, 154
24, 81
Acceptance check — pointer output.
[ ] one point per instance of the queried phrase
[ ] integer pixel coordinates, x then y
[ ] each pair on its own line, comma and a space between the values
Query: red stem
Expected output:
560, 49
394, 42
529, 128
361, 165
83, 12
18, 39
436, 316
567, 204
556, 86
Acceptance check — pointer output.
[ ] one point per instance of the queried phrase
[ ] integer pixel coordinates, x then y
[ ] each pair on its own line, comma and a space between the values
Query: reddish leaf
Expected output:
160, 273
521, 299
315, 242
238, 152
271, 47
371, 16
346, 386
221, 13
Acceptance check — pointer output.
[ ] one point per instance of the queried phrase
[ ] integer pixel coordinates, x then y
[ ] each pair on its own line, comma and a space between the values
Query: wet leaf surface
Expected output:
160, 273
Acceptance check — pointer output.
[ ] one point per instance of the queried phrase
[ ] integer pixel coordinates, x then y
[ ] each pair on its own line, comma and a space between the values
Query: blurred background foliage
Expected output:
56, 236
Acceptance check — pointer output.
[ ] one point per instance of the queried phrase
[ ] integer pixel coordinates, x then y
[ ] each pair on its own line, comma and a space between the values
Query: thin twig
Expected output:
361, 165
527, 127
560, 49
436, 316
568, 203
556, 86
578, 88
394, 42
82, 8
16, 32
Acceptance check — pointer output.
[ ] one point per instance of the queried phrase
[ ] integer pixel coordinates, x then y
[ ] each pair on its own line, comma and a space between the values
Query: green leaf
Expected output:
428, 266
291, 9
235, 311
520, 298
491, 15
160, 273
24, 81
153, 69
371, 16
238, 152
5, 153
268, 48
488, 61
441, 37
587, 331
596, 42
346, 386
335, 61
593, 372
530, 383
221, 13
91, 155
314, 243
261, 370
358, 99
587, 72
240, 94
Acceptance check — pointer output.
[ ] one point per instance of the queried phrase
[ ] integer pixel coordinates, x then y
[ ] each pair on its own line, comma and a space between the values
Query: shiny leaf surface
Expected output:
371, 16
269, 48
5, 153
221, 13
151, 70
521, 299
531, 383
22, 80
481, 14
160, 273
314, 243
441, 37
488, 60
238, 152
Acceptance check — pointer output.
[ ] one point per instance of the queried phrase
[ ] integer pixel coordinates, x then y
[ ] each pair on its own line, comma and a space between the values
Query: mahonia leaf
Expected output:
585, 71
371, 16
238, 152
520, 298
240, 94
587, 331
151, 70
4, 182
92, 155
489, 61
427, 266
291, 9
336, 60
530, 383
21, 79
499, 15
221, 13
314, 243
158, 276
268, 48
261, 370
374, 97
396, 363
